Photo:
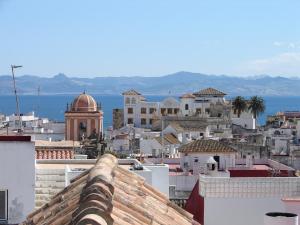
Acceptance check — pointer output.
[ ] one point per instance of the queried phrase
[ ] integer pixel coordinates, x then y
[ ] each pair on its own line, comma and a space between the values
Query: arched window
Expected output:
186, 106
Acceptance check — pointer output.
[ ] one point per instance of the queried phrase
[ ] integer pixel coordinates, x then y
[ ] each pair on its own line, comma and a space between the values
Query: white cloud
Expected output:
285, 64
278, 43
290, 45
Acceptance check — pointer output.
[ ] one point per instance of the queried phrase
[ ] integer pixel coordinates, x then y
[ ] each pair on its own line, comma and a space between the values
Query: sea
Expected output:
54, 106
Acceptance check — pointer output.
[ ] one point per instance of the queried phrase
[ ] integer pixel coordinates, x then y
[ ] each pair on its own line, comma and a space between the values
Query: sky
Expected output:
150, 37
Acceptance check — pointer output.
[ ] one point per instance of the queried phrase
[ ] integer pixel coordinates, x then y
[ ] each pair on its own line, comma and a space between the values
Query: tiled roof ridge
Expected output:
96, 197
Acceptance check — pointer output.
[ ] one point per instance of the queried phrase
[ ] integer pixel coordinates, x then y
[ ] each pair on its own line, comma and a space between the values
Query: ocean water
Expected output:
54, 106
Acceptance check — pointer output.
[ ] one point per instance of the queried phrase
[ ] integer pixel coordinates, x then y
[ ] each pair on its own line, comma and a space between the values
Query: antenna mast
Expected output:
17, 100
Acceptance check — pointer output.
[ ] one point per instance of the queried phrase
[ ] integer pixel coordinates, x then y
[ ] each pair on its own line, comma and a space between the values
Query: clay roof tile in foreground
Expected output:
206, 146
108, 194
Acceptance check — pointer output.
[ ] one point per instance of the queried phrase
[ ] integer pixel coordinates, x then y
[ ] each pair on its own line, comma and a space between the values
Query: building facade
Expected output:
204, 103
83, 118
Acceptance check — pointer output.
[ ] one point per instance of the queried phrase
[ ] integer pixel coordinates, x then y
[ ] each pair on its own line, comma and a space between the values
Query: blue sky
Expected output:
150, 37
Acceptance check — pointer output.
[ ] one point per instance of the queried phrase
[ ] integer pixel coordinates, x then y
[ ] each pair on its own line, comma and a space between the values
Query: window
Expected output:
143, 121
152, 110
133, 101
163, 111
143, 110
186, 106
150, 121
127, 101
82, 126
130, 110
3, 205
198, 110
130, 121
176, 111
207, 111
170, 111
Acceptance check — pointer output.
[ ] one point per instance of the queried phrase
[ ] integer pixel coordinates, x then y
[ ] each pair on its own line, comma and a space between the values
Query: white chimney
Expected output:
278, 218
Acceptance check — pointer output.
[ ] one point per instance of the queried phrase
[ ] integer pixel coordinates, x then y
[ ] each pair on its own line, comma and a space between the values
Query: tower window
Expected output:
186, 106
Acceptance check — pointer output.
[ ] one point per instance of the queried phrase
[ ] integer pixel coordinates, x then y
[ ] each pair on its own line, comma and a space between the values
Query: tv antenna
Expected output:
17, 100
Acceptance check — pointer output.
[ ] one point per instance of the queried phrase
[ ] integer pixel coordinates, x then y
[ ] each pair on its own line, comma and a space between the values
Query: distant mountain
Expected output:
176, 84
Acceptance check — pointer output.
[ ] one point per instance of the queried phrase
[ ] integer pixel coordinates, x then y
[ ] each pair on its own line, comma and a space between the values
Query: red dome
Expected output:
84, 103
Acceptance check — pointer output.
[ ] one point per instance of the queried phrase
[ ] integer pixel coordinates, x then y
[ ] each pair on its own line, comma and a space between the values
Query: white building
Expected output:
204, 103
194, 155
168, 145
17, 178
121, 143
243, 194
246, 120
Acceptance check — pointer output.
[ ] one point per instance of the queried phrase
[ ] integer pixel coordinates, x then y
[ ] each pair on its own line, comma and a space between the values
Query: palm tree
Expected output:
239, 105
257, 106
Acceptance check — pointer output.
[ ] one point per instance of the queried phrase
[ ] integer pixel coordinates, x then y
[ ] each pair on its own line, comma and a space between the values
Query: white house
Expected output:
121, 143
194, 155
156, 146
17, 178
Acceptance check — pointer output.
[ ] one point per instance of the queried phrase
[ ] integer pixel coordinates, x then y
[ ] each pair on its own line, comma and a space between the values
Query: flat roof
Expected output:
20, 138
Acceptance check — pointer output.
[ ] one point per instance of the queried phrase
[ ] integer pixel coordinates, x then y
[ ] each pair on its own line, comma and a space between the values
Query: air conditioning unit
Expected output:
3, 205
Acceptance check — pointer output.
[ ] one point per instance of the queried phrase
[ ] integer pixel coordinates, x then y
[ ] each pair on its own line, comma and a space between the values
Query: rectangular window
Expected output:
150, 121
130, 110
152, 110
176, 111
130, 121
198, 110
143, 121
143, 110
163, 111
170, 111
3, 205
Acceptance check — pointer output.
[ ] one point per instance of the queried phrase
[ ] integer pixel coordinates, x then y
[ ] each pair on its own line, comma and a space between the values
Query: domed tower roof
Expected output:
84, 103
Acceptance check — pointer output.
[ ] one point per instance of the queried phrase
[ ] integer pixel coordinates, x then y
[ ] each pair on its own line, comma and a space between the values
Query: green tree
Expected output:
239, 105
257, 106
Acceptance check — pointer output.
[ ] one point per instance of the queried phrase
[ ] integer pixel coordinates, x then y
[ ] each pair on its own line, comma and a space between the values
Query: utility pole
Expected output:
17, 100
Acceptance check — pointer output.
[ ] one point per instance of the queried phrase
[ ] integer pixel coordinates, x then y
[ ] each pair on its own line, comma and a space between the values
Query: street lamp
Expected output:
17, 100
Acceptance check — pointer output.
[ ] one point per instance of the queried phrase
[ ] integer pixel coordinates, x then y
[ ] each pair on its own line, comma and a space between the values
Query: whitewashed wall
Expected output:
17, 175
239, 211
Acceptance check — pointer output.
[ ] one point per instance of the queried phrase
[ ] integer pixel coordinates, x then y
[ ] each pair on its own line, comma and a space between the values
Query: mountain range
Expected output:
174, 84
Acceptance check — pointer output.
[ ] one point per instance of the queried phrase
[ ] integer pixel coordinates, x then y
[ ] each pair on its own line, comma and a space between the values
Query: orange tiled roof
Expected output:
54, 154
108, 194
209, 91
188, 95
206, 146
169, 139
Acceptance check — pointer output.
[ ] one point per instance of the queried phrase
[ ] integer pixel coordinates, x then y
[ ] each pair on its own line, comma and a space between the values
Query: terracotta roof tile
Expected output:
188, 95
131, 92
169, 139
206, 146
208, 91
109, 194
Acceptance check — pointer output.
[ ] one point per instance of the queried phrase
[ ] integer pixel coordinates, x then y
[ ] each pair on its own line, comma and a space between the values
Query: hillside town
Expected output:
196, 159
